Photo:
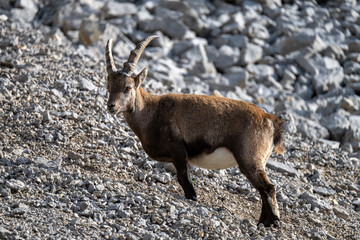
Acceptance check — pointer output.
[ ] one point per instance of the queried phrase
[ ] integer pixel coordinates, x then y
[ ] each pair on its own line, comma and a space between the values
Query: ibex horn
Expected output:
135, 54
110, 65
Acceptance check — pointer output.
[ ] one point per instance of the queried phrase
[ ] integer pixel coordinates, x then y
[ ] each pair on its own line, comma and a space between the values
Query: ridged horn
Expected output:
135, 55
110, 65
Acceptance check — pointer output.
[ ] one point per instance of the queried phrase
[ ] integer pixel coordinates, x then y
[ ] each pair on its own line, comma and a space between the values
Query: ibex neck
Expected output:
142, 99
139, 117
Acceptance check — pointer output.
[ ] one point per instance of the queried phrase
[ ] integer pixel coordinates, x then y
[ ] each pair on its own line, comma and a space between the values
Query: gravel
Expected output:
69, 170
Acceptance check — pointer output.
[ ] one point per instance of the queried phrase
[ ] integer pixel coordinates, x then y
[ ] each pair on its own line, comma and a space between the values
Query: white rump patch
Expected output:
221, 158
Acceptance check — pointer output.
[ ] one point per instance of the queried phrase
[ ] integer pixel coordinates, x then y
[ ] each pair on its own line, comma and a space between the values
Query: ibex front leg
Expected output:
184, 180
183, 175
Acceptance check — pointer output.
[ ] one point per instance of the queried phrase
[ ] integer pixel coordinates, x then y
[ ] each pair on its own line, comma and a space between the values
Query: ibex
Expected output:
206, 131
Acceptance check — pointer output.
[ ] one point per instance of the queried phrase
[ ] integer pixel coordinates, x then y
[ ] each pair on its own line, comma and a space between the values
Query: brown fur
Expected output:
184, 117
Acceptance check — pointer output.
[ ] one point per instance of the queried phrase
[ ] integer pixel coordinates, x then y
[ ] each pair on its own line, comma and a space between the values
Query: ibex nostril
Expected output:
111, 106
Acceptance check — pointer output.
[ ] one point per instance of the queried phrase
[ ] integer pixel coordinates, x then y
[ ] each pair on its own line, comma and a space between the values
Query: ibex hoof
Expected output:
191, 197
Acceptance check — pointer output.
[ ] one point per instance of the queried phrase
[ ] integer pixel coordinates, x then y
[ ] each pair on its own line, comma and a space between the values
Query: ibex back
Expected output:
206, 131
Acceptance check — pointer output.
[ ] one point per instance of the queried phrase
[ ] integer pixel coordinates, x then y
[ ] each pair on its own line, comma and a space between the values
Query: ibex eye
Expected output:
127, 89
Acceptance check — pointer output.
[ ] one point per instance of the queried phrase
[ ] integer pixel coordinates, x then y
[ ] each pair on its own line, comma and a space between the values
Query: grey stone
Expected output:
71, 24
235, 24
165, 71
250, 54
86, 209
5, 234
22, 161
351, 104
314, 201
257, 30
115, 9
163, 178
337, 124
275, 3
191, 17
194, 50
311, 129
44, 162
328, 77
169, 26
353, 187
122, 48
351, 67
225, 57
288, 77
56, 92
149, 236
23, 77
356, 202
170, 168
15, 184
74, 156
237, 76
232, 40
19, 209
341, 213
123, 214
281, 167
306, 63
91, 188
260, 71
352, 135
354, 46
5, 191
315, 175
324, 191
92, 30
119, 206
355, 57
330, 143
203, 211
270, 81
98, 217
335, 52
86, 85
26, 9
300, 41
49, 138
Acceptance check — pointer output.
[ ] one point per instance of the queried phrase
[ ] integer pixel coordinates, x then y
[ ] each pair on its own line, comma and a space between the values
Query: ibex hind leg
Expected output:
256, 174
269, 212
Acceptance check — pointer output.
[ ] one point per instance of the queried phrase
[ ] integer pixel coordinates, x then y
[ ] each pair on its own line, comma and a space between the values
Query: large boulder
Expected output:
236, 76
311, 129
173, 28
113, 9
300, 41
337, 124
92, 31
352, 135
251, 53
24, 9
190, 17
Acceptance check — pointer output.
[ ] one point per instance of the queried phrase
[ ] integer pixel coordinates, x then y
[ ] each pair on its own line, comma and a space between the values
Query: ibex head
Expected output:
122, 85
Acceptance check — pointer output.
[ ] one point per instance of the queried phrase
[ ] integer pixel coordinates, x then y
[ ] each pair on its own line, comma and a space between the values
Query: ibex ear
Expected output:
141, 77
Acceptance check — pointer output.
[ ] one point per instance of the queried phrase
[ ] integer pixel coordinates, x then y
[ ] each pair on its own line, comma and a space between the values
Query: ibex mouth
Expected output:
112, 111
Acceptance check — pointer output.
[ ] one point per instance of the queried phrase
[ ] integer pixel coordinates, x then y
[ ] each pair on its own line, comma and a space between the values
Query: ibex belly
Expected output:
221, 158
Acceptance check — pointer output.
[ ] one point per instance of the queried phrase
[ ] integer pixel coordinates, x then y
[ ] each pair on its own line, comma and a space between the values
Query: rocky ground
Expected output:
69, 170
